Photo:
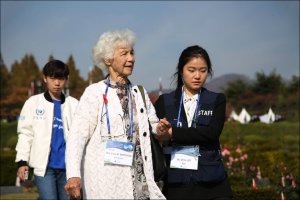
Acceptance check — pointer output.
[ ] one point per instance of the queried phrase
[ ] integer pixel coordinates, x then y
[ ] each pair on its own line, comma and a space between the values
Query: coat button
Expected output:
146, 158
145, 134
142, 110
135, 90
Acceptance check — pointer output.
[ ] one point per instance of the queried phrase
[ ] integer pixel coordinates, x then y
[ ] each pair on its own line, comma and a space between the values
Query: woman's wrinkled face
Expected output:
194, 74
123, 62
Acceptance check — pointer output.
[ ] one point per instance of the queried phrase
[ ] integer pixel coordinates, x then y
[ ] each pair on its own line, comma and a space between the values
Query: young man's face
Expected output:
55, 85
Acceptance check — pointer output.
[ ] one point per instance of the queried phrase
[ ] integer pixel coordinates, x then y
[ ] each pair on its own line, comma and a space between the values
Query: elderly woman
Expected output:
108, 151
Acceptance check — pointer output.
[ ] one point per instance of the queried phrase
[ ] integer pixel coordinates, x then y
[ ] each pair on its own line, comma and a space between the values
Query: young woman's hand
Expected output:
164, 130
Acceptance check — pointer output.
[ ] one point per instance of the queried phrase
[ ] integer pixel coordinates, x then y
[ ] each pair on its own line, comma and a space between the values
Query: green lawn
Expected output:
267, 145
25, 195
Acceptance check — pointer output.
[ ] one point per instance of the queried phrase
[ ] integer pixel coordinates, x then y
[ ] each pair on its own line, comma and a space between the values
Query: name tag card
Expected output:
185, 157
118, 153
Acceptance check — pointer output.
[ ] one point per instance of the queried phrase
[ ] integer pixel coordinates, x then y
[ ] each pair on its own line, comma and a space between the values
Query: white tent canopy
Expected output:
233, 116
268, 117
244, 117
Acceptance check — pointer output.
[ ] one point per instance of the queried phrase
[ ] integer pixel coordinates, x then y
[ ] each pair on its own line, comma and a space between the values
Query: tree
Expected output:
12, 104
267, 84
95, 75
17, 75
235, 89
23, 74
288, 101
76, 83
51, 57
293, 85
4, 77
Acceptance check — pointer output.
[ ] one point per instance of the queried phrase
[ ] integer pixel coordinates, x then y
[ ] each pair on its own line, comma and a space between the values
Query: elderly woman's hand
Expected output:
73, 187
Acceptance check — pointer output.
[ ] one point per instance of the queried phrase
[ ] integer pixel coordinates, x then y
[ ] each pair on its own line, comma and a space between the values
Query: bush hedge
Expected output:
8, 135
251, 194
8, 168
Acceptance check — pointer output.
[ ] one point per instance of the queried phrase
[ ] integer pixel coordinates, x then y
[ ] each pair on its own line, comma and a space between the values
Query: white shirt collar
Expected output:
190, 104
187, 98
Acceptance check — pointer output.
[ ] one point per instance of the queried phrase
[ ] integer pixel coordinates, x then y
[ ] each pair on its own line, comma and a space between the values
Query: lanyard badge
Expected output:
185, 157
118, 152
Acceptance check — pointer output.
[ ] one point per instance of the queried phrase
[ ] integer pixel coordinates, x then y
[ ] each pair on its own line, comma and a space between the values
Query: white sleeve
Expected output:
25, 133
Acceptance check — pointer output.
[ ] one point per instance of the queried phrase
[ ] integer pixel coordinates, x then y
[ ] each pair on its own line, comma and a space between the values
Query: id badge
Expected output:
185, 157
118, 153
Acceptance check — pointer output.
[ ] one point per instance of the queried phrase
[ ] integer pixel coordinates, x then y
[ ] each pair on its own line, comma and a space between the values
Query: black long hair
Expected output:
186, 55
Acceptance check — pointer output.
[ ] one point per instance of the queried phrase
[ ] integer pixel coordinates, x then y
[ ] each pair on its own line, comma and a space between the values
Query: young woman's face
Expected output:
122, 63
194, 74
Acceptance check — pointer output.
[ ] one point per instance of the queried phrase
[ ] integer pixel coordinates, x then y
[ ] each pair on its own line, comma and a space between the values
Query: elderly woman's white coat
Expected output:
86, 145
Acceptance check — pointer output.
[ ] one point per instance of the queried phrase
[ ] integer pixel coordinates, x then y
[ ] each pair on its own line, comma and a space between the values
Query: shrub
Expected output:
8, 130
261, 194
8, 168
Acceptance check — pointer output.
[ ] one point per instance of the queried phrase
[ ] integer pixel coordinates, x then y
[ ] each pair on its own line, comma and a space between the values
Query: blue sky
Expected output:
242, 37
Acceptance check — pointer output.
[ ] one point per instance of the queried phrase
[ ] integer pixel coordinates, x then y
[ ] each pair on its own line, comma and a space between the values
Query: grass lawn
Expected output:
21, 196
27, 194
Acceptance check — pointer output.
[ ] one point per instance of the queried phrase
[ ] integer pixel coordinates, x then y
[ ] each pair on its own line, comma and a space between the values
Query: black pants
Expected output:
201, 192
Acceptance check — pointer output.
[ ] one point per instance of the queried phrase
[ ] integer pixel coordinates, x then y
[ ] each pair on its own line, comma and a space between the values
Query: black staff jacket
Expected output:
209, 125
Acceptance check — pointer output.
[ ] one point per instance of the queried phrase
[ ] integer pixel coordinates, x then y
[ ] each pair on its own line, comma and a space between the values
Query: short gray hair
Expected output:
108, 42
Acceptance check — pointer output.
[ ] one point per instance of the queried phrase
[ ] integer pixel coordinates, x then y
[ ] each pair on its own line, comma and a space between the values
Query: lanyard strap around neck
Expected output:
106, 108
180, 106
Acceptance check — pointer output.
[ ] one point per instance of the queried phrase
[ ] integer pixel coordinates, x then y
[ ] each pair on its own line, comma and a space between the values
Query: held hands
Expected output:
73, 188
164, 130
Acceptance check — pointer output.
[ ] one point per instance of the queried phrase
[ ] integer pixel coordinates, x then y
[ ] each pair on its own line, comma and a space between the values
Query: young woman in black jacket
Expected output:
193, 117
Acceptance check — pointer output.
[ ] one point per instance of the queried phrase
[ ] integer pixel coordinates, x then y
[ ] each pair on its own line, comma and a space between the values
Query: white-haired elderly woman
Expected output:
108, 152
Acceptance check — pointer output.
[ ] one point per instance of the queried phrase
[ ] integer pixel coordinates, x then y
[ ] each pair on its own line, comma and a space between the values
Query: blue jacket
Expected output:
209, 124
